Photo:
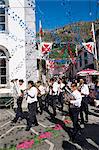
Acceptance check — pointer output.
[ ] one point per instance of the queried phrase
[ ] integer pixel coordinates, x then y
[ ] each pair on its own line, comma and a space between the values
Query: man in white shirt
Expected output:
53, 93
32, 105
84, 105
41, 94
14, 89
60, 90
74, 109
20, 92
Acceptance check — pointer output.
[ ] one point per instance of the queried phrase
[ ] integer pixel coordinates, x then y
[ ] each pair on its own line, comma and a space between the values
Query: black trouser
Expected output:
53, 103
32, 114
74, 113
84, 108
47, 98
61, 99
40, 104
19, 112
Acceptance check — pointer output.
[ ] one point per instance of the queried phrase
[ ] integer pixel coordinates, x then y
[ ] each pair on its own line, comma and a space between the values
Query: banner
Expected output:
49, 64
89, 47
46, 47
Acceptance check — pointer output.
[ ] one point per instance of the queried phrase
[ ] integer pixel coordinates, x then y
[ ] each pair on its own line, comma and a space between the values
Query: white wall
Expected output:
79, 68
31, 52
18, 40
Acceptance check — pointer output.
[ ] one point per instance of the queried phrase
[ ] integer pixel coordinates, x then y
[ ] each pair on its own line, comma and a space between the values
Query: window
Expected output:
2, 15
2, 67
85, 58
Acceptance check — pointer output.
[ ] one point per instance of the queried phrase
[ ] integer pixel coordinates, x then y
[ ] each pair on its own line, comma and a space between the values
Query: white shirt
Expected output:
84, 90
14, 89
55, 88
42, 89
20, 87
69, 84
32, 95
78, 98
61, 86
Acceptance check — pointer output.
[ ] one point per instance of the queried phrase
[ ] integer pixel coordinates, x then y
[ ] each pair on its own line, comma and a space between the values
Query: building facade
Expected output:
18, 54
84, 60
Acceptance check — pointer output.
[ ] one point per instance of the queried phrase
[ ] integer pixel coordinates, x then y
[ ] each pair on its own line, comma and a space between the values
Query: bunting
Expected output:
46, 47
89, 47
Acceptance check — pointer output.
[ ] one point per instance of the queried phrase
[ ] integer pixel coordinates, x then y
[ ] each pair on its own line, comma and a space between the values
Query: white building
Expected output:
84, 60
18, 55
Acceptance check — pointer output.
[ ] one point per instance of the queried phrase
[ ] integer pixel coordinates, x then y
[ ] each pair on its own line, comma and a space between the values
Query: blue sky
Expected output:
57, 13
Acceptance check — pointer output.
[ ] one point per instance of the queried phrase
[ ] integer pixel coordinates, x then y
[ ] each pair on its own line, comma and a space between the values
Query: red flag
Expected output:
46, 47
50, 64
40, 30
89, 47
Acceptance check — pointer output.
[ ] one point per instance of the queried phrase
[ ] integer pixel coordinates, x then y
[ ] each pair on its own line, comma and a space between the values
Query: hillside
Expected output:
70, 36
76, 32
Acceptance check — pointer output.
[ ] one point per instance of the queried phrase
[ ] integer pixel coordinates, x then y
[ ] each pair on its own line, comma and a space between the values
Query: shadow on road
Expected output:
89, 136
68, 146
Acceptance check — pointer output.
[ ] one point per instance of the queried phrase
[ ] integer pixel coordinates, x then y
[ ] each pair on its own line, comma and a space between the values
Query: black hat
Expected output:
21, 80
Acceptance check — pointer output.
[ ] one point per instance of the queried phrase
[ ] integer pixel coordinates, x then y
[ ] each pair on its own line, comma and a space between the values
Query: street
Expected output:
58, 129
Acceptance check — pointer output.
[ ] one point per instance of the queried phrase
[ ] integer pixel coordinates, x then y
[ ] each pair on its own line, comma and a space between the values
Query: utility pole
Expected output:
95, 50
40, 62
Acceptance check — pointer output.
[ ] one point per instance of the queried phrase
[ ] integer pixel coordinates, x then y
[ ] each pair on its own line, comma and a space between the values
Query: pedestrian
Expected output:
84, 104
47, 96
41, 95
96, 101
60, 90
53, 93
32, 105
15, 93
19, 113
74, 109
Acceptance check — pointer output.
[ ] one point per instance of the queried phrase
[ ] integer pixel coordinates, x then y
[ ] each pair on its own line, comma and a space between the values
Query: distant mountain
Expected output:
73, 34
76, 33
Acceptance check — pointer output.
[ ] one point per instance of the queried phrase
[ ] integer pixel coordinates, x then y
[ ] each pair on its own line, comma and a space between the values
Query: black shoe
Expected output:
36, 124
27, 128
14, 121
41, 112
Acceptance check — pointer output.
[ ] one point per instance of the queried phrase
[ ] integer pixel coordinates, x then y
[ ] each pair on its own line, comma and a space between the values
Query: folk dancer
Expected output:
41, 95
19, 113
14, 89
84, 104
53, 93
60, 91
74, 109
32, 105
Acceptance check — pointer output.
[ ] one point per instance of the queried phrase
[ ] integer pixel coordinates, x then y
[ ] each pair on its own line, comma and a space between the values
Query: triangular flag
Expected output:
89, 47
46, 47
50, 64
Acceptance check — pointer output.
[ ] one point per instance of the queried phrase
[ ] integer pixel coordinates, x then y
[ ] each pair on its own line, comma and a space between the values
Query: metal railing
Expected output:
6, 102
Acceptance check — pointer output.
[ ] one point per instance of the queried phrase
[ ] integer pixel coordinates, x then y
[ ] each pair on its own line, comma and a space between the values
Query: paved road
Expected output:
13, 134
